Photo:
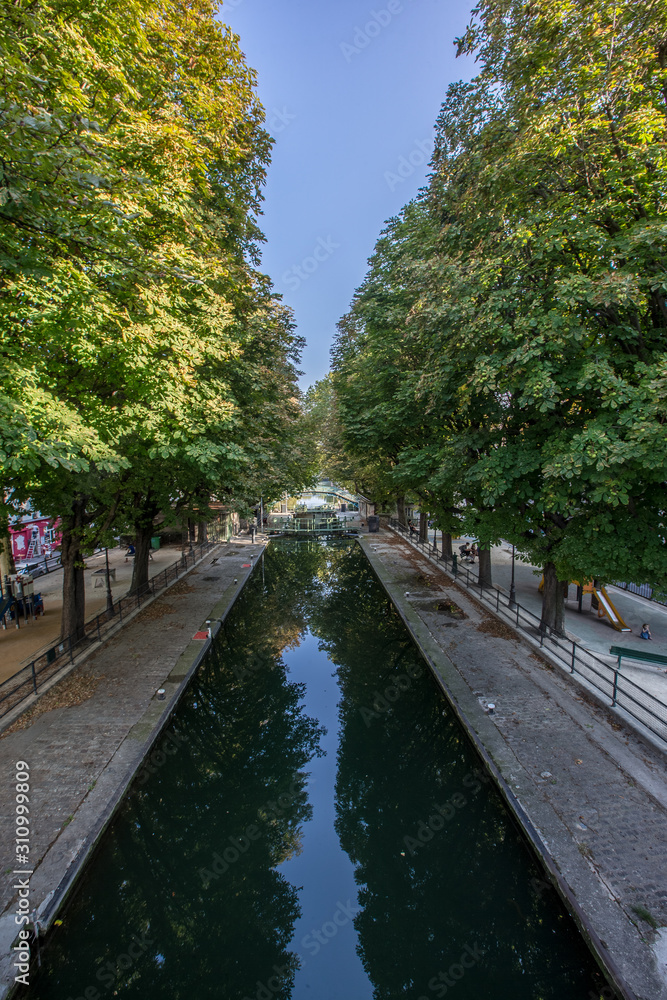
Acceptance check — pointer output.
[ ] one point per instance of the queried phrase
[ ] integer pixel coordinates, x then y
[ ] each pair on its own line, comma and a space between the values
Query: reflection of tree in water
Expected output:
473, 883
248, 743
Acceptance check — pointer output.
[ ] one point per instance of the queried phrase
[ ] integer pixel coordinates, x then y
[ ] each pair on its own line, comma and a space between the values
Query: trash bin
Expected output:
373, 523
155, 542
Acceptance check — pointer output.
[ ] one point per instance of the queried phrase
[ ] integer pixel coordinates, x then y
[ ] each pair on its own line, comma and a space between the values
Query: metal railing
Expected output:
641, 589
26, 681
603, 677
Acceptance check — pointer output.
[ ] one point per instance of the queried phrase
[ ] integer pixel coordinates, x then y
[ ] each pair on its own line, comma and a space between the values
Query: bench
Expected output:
636, 654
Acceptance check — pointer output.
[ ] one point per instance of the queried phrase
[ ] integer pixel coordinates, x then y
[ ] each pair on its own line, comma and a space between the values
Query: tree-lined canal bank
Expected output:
323, 828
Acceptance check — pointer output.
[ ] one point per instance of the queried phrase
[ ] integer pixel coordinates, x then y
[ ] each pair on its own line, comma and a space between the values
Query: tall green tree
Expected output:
133, 154
538, 313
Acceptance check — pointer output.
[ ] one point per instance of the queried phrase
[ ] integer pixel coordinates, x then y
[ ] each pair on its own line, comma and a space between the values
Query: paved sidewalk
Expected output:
595, 792
588, 630
81, 753
19, 646
596, 634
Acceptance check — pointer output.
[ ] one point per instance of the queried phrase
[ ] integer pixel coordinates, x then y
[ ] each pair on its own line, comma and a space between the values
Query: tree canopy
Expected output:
515, 315
146, 364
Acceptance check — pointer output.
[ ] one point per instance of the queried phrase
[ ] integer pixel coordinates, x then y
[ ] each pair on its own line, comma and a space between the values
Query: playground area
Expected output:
616, 622
20, 646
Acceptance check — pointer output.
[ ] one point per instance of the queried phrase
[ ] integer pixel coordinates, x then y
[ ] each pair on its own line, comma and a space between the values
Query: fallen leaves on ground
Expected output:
451, 608
154, 612
180, 588
73, 690
497, 629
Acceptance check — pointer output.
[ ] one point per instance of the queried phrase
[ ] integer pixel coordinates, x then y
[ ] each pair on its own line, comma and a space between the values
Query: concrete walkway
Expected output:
84, 748
593, 793
588, 630
596, 634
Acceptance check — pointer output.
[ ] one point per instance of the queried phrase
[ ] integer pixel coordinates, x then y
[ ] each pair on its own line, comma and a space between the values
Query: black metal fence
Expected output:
26, 681
642, 590
605, 678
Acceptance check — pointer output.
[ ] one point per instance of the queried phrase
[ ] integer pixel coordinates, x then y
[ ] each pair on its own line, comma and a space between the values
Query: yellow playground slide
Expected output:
607, 609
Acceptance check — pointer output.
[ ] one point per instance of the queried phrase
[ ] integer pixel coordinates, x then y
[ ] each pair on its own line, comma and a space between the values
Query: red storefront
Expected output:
34, 537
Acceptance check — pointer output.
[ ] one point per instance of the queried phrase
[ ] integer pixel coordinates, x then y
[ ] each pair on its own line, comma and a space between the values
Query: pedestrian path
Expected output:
593, 632
19, 646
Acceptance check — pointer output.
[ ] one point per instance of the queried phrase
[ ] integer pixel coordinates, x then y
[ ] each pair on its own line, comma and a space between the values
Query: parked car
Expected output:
38, 567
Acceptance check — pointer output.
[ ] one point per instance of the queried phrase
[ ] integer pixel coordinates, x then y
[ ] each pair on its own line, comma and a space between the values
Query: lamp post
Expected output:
512, 600
109, 594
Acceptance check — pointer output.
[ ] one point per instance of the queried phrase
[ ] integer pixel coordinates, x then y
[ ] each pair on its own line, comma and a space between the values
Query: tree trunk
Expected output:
191, 530
553, 602
201, 532
447, 545
423, 526
7, 565
73, 614
485, 577
142, 551
400, 507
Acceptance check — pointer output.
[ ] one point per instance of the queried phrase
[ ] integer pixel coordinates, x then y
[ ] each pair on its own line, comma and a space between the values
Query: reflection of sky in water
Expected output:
323, 869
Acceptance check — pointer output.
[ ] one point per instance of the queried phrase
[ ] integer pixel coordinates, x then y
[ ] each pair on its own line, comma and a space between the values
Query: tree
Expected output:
537, 313
133, 156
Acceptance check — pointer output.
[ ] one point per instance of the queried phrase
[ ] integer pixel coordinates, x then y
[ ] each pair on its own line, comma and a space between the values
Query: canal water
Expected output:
314, 825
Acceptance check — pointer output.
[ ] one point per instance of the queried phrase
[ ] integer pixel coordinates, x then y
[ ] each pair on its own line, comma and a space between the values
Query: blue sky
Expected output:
351, 90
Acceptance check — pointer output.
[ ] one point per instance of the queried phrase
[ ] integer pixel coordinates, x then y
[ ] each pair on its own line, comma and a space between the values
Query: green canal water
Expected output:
315, 825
